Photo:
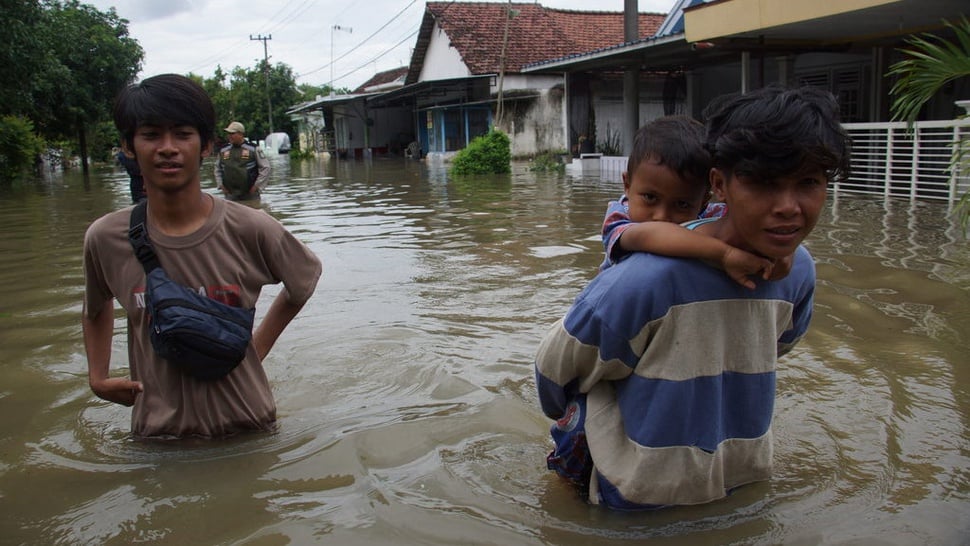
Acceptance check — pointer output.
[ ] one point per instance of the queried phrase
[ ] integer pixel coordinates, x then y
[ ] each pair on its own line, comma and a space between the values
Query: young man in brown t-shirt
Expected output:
224, 250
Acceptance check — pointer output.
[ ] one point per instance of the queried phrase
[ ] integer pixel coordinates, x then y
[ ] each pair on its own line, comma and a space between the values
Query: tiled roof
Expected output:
381, 78
536, 33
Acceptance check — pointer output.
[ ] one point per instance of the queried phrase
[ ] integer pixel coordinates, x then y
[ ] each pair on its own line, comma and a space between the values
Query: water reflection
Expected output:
405, 387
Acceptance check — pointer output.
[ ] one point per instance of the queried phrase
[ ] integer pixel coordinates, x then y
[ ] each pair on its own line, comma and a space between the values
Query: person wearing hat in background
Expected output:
242, 170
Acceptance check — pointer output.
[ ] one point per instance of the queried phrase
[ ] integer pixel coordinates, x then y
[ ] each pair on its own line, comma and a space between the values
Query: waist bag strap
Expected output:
138, 236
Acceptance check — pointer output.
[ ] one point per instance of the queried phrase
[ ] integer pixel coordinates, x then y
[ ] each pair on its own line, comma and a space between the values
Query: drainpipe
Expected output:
631, 78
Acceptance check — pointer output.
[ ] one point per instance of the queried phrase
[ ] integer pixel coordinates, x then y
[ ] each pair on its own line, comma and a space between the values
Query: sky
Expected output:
196, 36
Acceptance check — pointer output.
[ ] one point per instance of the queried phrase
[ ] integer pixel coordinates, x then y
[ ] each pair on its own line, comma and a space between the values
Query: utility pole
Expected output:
500, 107
333, 28
269, 102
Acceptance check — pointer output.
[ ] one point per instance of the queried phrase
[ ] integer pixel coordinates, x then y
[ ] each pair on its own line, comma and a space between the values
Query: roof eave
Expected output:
566, 64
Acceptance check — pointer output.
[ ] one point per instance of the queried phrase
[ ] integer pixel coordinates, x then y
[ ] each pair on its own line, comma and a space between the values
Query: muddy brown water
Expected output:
405, 388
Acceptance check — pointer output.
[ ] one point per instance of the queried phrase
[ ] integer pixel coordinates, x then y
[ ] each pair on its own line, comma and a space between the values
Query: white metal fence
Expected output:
889, 159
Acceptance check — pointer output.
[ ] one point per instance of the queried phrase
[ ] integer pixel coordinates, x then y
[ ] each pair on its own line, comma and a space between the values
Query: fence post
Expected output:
888, 171
955, 154
913, 178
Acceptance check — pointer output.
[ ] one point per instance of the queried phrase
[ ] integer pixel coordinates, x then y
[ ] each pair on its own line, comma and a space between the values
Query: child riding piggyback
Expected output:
666, 184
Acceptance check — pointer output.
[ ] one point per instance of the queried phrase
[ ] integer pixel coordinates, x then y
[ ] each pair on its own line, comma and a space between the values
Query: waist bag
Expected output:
204, 338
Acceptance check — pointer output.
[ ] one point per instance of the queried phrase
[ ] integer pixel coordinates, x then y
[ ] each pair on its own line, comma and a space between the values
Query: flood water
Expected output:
405, 387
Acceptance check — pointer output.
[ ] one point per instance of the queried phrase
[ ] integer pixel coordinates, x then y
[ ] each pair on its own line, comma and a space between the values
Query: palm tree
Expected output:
931, 63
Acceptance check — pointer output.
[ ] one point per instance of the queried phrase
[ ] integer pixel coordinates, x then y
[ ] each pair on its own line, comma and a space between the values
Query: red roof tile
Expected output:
381, 78
536, 33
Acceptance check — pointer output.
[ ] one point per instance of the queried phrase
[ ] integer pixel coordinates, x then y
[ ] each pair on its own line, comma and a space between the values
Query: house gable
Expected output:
475, 32
442, 61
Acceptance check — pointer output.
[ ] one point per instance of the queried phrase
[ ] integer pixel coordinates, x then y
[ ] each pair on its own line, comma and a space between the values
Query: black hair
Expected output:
165, 100
776, 131
676, 142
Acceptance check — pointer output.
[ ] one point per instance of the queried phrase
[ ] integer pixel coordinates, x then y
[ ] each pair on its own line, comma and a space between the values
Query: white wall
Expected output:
442, 61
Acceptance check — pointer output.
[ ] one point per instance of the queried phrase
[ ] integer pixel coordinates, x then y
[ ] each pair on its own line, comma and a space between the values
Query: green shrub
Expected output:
548, 161
486, 154
611, 144
297, 153
19, 147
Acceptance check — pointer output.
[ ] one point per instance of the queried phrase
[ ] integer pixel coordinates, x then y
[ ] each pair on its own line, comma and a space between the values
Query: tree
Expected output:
19, 147
244, 98
311, 92
931, 63
22, 55
88, 57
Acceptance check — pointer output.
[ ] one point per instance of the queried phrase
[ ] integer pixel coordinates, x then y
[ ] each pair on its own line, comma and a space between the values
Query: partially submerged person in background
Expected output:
221, 249
661, 376
136, 184
242, 170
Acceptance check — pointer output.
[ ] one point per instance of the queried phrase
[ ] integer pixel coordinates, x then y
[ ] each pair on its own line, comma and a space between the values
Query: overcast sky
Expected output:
195, 36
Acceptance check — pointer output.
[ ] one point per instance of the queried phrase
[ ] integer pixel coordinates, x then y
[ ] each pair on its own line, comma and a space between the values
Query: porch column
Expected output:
690, 98
745, 70
567, 90
785, 72
631, 78
631, 107
878, 83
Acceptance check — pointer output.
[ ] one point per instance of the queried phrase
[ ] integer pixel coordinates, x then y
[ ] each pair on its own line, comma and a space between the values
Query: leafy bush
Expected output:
548, 161
19, 147
486, 154
297, 153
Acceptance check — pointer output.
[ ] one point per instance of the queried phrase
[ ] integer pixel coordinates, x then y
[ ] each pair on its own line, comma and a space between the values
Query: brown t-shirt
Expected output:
230, 258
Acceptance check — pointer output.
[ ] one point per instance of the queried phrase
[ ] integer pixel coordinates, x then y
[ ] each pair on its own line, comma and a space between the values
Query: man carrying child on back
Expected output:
666, 184
661, 376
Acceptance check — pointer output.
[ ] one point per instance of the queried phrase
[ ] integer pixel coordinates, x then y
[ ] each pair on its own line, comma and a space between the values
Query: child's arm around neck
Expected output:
670, 239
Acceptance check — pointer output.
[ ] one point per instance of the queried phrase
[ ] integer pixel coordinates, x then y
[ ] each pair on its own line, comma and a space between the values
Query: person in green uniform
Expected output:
242, 170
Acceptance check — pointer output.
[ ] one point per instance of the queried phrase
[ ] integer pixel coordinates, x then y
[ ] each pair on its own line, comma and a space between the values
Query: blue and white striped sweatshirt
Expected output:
677, 365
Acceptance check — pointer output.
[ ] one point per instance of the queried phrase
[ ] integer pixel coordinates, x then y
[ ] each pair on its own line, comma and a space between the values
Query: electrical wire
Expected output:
361, 43
267, 29
385, 52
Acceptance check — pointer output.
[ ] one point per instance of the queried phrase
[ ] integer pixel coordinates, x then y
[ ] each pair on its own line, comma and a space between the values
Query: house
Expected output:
710, 48
345, 125
555, 79
310, 125
466, 70
845, 46
465, 76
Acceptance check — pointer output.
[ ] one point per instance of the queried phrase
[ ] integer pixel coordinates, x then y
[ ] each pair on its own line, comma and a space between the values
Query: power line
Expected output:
298, 11
362, 42
289, 13
345, 10
217, 57
385, 52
